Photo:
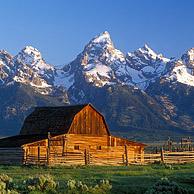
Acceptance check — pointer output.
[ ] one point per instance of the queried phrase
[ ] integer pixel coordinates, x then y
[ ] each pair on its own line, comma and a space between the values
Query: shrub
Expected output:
74, 187
169, 166
164, 186
77, 187
6, 185
40, 183
103, 187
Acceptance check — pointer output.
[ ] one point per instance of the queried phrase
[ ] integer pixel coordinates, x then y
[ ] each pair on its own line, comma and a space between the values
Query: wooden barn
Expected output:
69, 135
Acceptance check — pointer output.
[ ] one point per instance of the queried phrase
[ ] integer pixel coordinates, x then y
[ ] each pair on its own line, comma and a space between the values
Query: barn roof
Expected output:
56, 120
19, 140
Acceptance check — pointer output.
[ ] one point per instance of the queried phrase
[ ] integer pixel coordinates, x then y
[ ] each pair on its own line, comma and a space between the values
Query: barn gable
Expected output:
78, 119
90, 122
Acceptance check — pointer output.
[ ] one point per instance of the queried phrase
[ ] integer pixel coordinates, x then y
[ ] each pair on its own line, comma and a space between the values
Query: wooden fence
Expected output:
16, 156
170, 157
107, 158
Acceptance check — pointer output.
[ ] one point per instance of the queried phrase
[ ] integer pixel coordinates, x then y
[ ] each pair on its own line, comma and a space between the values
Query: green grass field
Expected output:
132, 179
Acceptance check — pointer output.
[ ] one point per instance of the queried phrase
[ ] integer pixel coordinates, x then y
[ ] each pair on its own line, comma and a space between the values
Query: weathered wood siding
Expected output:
89, 121
72, 149
11, 155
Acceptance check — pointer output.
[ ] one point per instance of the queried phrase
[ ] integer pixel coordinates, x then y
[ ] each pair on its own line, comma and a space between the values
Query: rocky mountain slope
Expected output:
174, 91
140, 91
102, 64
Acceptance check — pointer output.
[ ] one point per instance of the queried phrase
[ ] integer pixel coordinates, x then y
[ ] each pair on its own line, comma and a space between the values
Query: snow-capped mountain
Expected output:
95, 64
182, 70
99, 64
145, 66
175, 90
30, 68
5, 66
140, 89
102, 64
30, 57
27, 67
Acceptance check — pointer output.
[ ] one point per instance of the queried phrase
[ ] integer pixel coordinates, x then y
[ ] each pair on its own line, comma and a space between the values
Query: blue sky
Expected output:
61, 28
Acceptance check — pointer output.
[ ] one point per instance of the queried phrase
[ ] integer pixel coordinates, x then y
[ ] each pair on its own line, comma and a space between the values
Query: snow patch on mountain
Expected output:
144, 66
100, 73
103, 38
5, 66
183, 75
33, 81
33, 58
63, 79
183, 69
188, 57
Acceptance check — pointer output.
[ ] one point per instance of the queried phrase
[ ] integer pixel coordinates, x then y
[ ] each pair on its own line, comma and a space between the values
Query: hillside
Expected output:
17, 101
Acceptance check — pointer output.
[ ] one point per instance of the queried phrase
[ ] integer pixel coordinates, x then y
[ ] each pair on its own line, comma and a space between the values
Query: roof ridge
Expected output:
56, 107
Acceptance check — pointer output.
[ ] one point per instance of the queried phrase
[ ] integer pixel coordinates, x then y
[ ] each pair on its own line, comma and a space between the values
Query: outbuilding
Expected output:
68, 135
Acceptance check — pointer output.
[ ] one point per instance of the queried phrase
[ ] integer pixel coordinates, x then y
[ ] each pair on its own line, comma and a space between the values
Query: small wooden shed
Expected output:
69, 135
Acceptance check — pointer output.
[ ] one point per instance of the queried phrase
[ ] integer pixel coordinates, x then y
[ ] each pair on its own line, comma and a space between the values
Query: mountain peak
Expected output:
5, 56
147, 51
188, 57
104, 37
29, 48
4, 52
30, 53
33, 58
29, 56
146, 47
105, 33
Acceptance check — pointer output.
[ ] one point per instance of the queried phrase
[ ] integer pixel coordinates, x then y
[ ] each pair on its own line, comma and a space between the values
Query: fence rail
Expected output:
170, 157
91, 158
17, 156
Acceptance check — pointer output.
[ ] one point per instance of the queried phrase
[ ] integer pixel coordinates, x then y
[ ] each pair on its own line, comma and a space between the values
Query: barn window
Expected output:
99, 148
76, 147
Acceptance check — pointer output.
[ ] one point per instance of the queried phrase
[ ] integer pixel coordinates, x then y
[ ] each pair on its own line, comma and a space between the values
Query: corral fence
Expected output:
16, 156
169, 157
55, 156
102, 158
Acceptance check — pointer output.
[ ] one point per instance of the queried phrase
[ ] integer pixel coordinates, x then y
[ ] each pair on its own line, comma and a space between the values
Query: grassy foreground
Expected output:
132, 179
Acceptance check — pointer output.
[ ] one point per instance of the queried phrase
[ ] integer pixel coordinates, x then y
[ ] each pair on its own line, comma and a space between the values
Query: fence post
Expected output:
38, 154
85, 157
63, 149
88, 156
109, 139
169, 142
115, 141
123, 158
181, 144
162, 155
24, 155
126, 155
156, 149
142, 155
48, 149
